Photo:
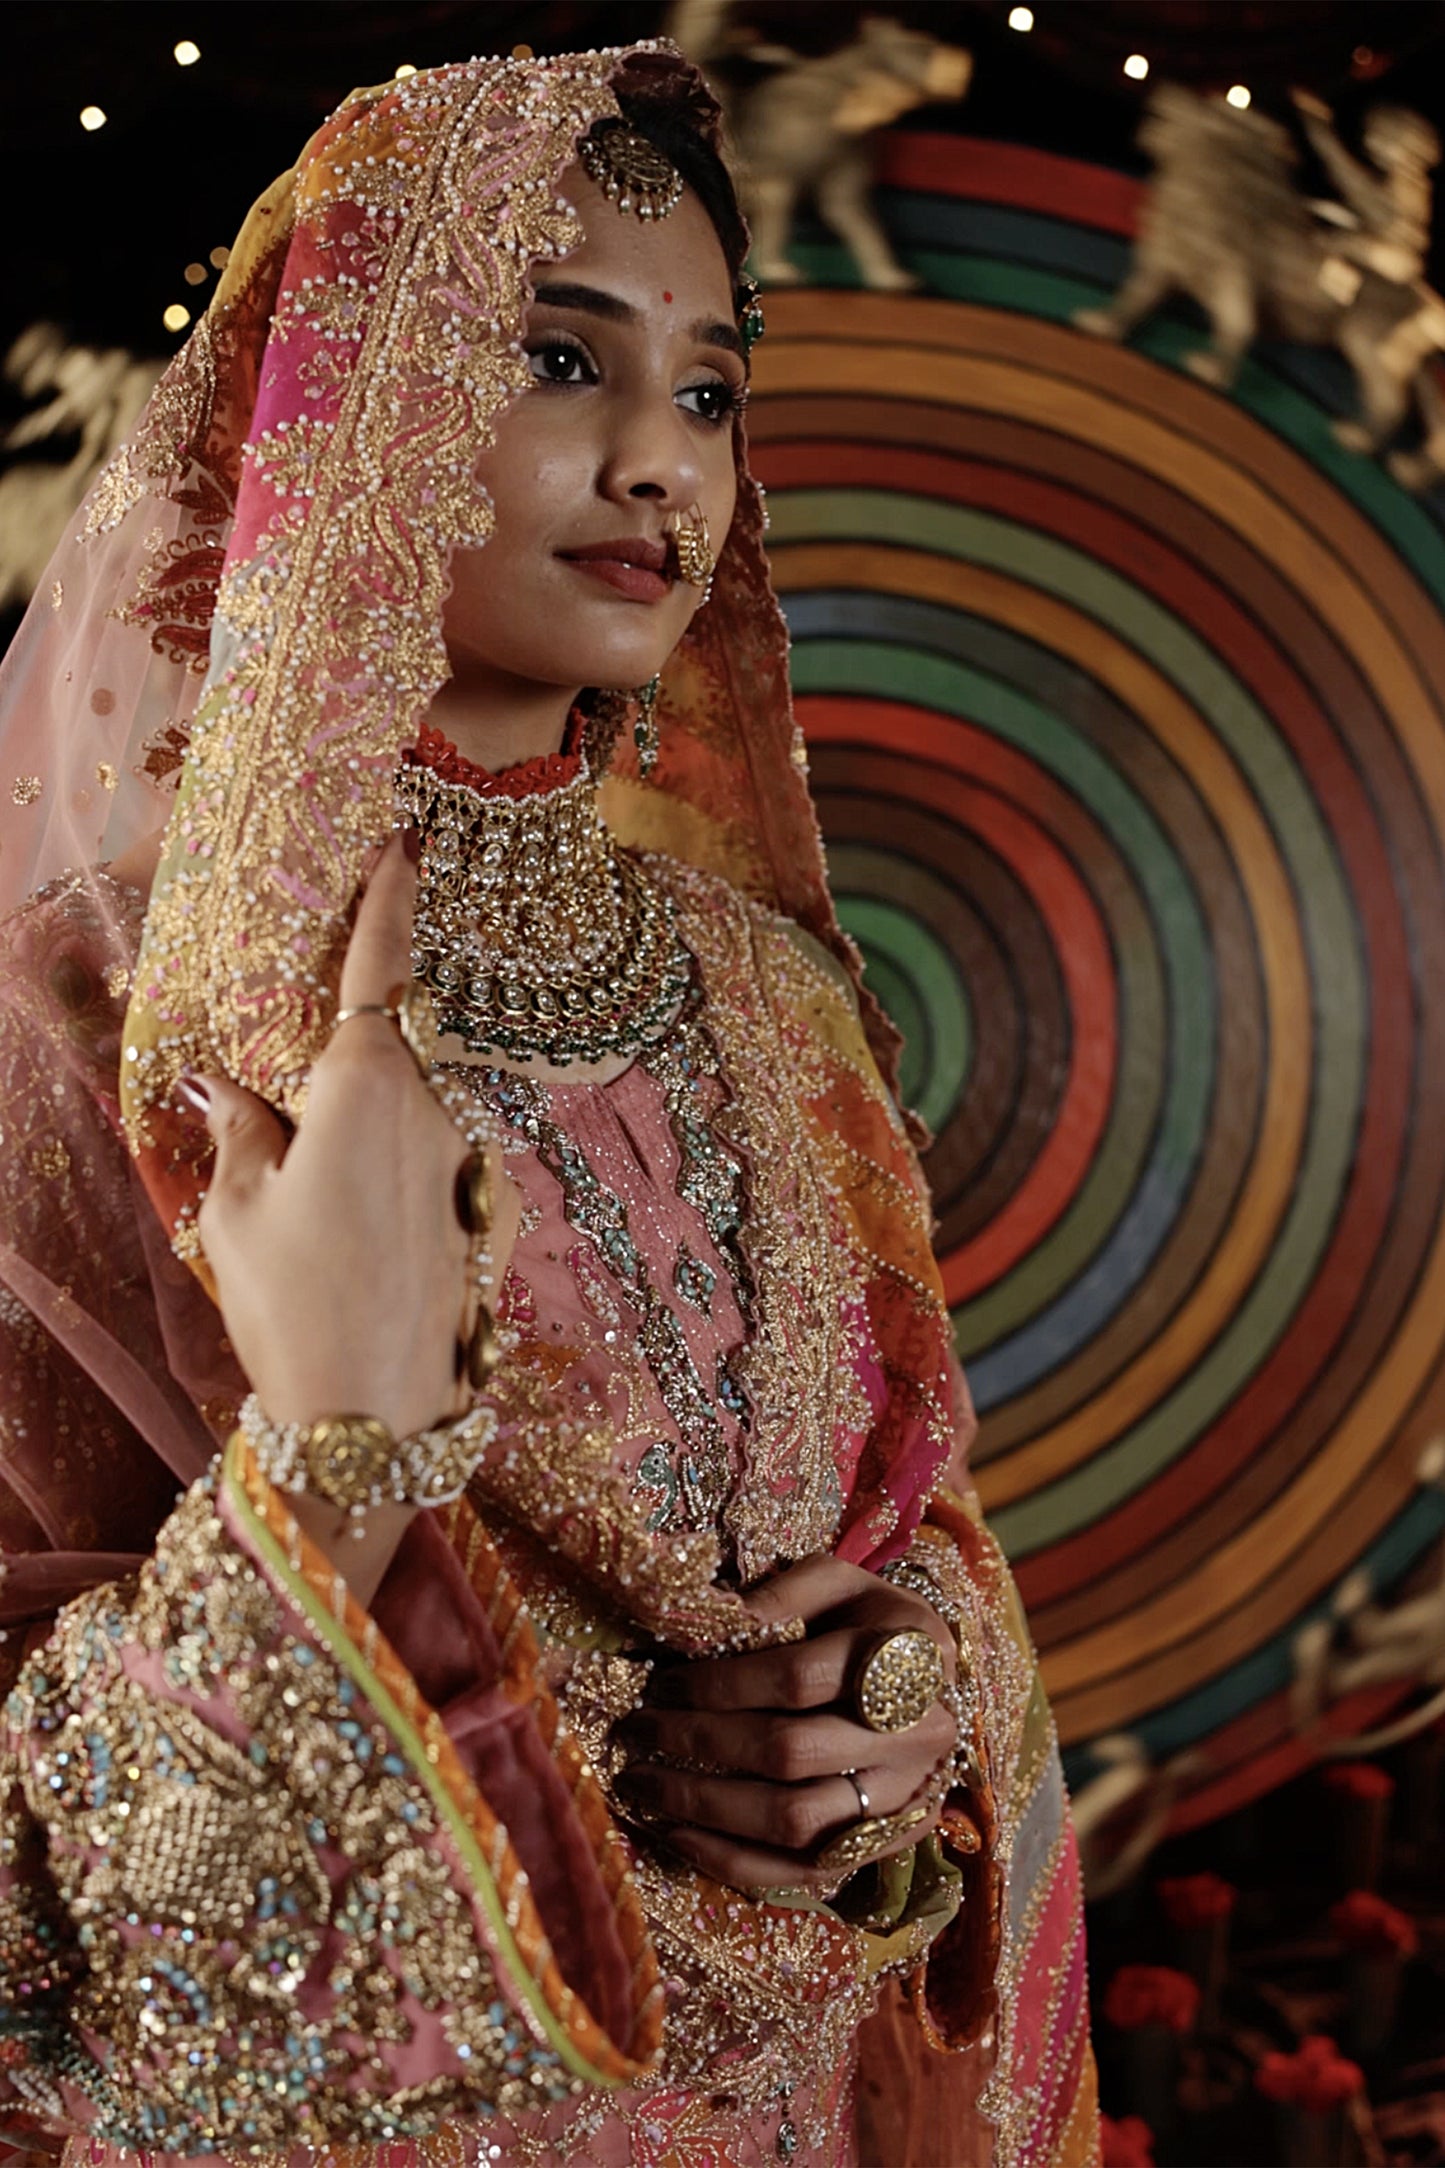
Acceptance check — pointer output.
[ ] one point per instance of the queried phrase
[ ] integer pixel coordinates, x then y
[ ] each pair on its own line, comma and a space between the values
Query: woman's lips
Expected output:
635, 568
634, 581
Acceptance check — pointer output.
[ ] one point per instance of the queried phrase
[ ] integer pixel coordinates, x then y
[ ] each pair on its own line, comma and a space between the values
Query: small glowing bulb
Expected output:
176, 317
1021, 18
220, 257
91, 118
404, 71
187, 53
1136, 67
521, 52
1237, 95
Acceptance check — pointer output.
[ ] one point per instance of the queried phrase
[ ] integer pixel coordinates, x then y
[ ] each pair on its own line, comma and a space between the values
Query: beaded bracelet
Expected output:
354, 1461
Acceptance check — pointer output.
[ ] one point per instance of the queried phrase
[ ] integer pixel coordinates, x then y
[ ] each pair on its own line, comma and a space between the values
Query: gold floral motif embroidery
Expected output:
764, 1991
290, 455
26, 789
117, 490
195, 1872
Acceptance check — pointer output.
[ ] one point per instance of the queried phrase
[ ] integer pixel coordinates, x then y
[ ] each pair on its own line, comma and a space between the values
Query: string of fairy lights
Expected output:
1135, 65
176, 316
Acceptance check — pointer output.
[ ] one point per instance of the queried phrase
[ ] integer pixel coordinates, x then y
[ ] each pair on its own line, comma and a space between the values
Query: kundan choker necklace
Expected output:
538, 936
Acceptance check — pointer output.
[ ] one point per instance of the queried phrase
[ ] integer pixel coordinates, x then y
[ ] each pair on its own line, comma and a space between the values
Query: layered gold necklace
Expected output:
539, 937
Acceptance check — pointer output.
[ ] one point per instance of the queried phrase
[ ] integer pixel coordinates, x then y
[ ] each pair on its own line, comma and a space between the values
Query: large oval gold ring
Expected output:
899, 1680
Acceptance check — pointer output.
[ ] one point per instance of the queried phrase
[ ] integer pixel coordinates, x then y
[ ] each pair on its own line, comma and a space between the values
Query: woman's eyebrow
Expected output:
596, 301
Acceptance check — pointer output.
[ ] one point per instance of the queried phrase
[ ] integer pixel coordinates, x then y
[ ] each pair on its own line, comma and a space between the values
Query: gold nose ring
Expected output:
696, 560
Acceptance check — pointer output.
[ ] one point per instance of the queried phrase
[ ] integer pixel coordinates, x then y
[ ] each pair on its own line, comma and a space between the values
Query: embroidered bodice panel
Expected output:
677, 1279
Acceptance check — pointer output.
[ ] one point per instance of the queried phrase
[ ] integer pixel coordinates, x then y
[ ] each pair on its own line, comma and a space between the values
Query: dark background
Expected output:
99, 227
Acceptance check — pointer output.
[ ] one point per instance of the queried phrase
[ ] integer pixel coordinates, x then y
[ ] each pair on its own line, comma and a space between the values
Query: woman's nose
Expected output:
652, 454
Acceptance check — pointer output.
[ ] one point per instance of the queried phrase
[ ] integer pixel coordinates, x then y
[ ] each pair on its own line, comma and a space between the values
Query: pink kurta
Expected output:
692, 1398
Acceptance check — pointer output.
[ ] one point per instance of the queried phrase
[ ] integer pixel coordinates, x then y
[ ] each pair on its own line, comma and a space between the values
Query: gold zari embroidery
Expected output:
200, 1876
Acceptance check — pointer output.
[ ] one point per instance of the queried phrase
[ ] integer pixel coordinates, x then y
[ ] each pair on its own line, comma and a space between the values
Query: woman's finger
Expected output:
378, 955
825, 1589
790, 1749
810, 1589
800, 1675
790, 1817
250, 1137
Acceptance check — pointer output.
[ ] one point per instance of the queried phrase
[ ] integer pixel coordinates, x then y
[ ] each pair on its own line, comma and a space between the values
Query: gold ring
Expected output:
414, 1014
899, 1680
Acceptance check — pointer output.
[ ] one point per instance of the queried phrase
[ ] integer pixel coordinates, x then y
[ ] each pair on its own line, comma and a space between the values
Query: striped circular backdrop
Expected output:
1124, 705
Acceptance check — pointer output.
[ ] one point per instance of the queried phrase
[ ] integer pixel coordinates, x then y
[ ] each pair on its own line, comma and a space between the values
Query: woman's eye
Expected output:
717, 401
557, 361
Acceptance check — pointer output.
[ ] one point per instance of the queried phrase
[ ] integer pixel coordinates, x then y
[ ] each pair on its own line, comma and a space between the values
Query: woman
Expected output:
582, 1692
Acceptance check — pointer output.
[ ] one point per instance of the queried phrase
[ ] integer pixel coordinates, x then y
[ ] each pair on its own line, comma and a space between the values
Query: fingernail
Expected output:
411, 844
193, 1094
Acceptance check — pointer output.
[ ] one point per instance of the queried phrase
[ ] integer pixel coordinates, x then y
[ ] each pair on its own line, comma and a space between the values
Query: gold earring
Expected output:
644, 728
696, 560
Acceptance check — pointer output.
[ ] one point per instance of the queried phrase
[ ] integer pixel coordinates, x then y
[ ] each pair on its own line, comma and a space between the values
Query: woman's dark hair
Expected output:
679, 133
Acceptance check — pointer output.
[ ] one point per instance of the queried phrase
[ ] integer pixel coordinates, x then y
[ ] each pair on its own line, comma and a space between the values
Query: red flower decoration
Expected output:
1129, 2143
1193, 1900
1360, 1780
1364, 1921
1316, 2077
1151, 1995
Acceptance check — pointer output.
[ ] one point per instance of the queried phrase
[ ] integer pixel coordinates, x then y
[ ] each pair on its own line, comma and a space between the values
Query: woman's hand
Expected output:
338, 1253
779, 1728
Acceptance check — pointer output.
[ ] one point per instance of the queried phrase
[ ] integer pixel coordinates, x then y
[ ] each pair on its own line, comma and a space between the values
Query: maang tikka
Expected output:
630, 171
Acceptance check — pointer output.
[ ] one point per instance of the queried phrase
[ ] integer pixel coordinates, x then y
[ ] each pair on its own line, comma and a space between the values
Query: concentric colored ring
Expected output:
1124, 712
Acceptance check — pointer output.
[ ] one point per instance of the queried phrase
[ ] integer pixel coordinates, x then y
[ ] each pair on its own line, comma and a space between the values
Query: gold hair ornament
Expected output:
631, 172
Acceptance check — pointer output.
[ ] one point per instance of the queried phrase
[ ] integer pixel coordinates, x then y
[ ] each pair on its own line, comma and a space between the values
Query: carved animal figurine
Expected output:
1363, 1643
95, 394
1225, 223
802, 131
1388, 202
1121, 1816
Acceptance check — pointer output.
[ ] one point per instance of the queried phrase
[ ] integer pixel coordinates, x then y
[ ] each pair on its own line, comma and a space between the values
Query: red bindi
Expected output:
667, 297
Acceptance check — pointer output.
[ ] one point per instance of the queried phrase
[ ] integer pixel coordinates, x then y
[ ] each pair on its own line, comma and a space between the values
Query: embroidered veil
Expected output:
238, 641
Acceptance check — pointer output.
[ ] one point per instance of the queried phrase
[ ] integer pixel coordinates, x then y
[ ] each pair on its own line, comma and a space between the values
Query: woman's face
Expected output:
638, 373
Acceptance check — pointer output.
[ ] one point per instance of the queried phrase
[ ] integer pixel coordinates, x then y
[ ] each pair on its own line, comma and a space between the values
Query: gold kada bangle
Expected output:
354, 1461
